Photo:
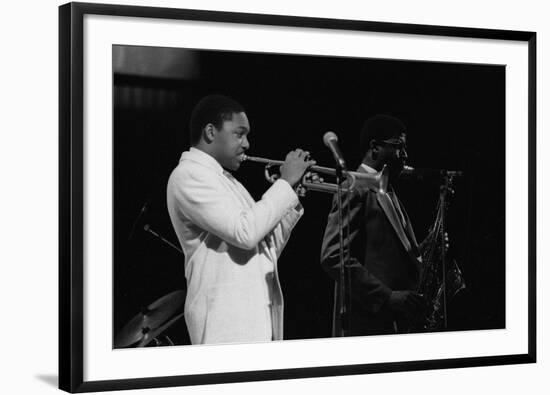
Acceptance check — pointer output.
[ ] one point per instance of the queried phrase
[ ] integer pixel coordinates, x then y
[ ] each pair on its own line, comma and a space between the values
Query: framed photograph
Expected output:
131, 81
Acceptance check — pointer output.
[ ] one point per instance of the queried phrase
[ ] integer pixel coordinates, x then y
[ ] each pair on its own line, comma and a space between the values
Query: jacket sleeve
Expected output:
199, 195
282, 231
366, 289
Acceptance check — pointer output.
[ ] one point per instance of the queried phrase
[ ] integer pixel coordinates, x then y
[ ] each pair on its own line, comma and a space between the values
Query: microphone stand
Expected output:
344, 303
147, 227
138, 218
331, 141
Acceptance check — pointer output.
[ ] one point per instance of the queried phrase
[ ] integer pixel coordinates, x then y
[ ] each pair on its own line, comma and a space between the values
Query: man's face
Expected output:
393, 152
231, 141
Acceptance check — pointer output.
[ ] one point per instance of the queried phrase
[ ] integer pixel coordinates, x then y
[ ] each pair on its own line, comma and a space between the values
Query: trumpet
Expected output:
376, 182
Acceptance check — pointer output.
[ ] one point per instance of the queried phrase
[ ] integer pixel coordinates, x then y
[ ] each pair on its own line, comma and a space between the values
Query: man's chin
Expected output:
235, 166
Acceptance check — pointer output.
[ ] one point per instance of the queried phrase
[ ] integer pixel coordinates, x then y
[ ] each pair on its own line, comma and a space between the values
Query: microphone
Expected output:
331, 141
141, 213
409, 171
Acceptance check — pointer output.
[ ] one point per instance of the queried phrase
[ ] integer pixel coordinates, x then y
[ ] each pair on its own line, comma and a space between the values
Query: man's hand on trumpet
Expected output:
295, 165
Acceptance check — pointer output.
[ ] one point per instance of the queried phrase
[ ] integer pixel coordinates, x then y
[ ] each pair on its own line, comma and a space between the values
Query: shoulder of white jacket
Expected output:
188, 168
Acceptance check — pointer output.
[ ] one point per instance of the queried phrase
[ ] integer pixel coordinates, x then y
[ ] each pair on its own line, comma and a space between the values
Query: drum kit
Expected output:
146, 328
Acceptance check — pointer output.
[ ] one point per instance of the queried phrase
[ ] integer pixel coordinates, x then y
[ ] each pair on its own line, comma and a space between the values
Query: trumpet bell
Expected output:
377, 182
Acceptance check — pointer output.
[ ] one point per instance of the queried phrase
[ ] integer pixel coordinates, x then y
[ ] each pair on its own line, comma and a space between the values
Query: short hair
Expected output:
380, 127
212, 109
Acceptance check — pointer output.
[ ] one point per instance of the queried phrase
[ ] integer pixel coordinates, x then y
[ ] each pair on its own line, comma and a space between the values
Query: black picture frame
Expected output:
71, 195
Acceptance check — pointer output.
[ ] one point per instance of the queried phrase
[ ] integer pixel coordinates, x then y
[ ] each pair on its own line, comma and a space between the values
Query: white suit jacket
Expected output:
231, 245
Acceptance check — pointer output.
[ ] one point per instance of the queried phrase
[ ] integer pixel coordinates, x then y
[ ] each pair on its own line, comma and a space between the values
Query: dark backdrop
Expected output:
455, 117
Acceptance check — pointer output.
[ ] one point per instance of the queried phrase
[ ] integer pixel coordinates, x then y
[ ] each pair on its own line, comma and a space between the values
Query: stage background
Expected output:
29, 173
455, 115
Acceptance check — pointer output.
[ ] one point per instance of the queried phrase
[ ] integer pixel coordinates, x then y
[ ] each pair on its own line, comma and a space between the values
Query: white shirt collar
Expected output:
368, 169
203, 158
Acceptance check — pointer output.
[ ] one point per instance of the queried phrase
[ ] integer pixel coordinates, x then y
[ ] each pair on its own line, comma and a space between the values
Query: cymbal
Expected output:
149, 336
150, 319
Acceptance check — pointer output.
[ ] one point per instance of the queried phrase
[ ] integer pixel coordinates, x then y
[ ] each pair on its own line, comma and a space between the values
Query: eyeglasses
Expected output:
399, 145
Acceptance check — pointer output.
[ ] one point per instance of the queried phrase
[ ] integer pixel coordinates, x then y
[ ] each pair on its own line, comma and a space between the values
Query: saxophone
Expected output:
440, 278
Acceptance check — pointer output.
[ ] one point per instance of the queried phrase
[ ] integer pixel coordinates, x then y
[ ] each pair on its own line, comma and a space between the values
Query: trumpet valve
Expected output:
312, 177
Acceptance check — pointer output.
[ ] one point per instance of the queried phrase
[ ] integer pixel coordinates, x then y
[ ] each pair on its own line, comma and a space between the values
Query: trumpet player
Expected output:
384, 255
231, 242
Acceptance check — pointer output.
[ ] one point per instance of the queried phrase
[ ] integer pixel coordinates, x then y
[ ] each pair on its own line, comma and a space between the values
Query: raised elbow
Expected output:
246, 232
246, 239
246, 243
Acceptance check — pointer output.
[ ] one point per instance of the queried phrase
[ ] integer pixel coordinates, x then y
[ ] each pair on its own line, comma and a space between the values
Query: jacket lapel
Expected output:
409, 230
387, 206
414, 252
385, 202
232, 183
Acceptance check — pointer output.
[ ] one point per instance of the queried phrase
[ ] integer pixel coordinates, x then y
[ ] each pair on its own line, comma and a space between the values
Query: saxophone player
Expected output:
384, 255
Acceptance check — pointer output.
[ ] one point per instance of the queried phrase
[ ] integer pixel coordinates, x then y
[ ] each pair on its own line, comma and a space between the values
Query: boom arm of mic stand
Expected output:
147, 228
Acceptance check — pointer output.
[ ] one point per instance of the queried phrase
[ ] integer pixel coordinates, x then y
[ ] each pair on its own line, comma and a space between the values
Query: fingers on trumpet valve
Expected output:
305, 155
313, 177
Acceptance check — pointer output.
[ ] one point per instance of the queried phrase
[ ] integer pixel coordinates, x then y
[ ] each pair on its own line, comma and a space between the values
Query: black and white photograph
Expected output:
258, 197
226, 174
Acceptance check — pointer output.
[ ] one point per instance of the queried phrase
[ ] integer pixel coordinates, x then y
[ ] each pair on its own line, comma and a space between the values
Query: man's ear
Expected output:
209, 132
374, 148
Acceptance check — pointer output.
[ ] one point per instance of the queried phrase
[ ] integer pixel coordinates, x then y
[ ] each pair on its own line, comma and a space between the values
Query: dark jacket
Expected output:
383, 256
